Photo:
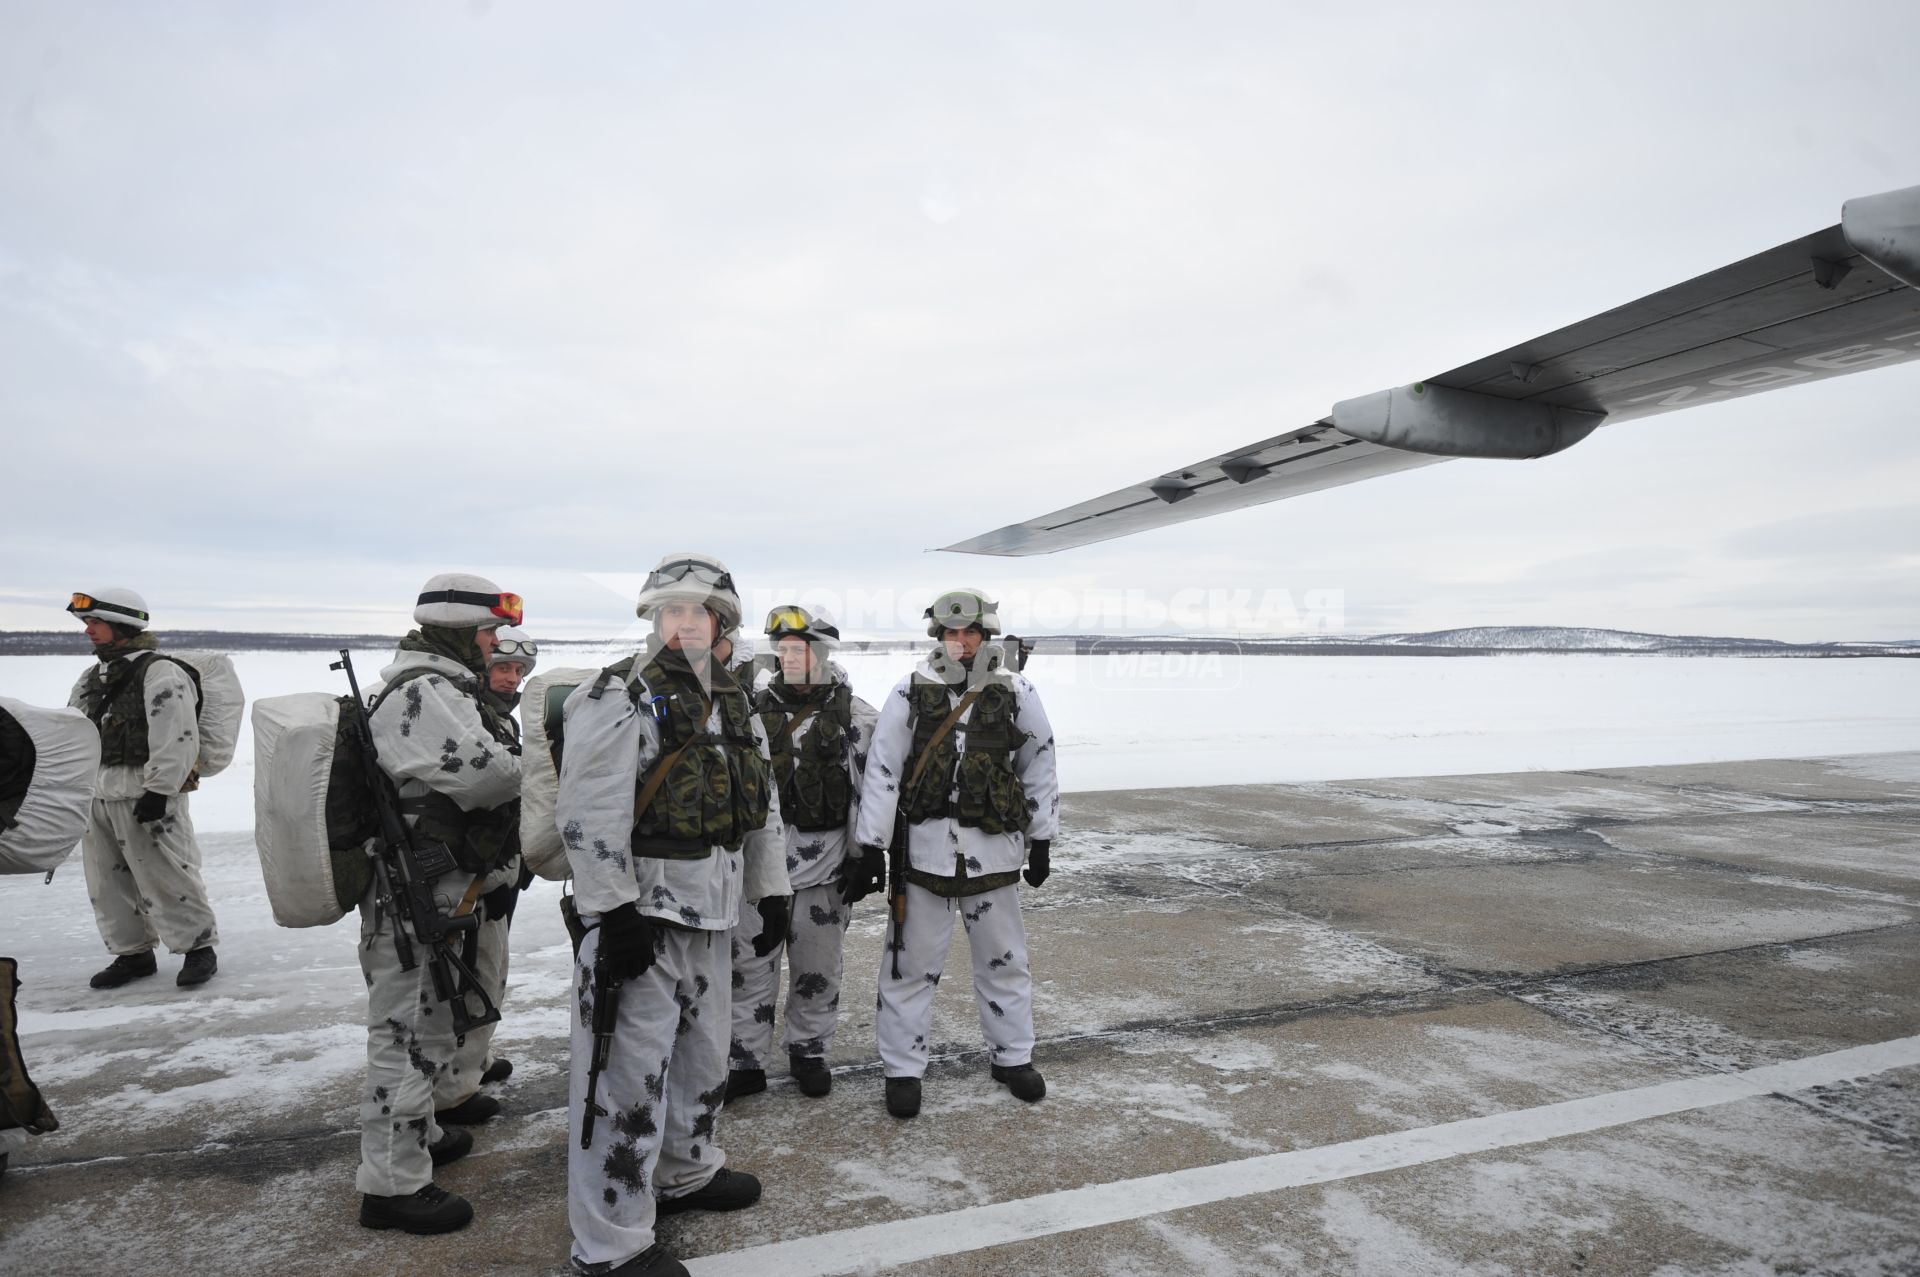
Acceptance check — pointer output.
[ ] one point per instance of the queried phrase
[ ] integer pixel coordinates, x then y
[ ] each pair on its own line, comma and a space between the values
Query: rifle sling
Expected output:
939, 734
792, 725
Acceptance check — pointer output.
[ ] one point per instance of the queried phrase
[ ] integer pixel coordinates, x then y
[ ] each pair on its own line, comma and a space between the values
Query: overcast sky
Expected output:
300, 304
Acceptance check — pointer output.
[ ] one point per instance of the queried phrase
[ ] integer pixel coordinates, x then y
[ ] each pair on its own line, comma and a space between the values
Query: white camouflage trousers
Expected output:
813, 950
474, 1051
410, 1042
658, 1102
1002, 984
144, 880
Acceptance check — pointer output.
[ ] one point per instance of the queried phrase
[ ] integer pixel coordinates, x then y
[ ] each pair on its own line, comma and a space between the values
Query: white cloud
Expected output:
332, 296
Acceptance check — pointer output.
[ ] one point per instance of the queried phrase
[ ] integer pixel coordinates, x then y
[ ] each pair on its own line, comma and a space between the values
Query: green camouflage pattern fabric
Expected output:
717, 791
978, 788
816, 791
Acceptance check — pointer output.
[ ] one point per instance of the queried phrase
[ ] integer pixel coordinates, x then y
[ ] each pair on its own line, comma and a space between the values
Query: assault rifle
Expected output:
606, 1014
897, 884
403, 874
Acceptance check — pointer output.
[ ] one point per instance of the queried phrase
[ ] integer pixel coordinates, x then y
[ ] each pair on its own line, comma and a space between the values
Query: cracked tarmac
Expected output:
1221, 973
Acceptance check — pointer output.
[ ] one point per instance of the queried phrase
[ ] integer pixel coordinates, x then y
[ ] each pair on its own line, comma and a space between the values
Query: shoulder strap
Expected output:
792, 725
403, 677
940, 734
193, 676
658, 776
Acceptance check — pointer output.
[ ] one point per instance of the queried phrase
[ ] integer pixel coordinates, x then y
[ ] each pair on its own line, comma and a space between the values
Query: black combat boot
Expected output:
128, 966
903, 1096
499, 1071
1023, 1080
811, 1072
430, 1210
654, 1261
727, 1190
745, 1082
452, 1145
198, 968
472, 1111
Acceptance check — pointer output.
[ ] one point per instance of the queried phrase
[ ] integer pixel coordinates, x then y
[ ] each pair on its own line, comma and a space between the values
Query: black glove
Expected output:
1037, 866
498, 903
626, 941
150, 808
776, 912
861, 878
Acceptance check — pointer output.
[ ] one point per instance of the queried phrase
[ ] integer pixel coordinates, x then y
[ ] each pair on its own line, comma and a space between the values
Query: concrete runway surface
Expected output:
1650, 1020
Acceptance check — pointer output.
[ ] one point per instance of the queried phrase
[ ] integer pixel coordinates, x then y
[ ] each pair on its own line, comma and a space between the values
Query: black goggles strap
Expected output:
461, 596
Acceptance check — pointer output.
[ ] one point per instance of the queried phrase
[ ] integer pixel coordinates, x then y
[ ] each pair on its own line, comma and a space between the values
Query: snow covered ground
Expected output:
1155, 720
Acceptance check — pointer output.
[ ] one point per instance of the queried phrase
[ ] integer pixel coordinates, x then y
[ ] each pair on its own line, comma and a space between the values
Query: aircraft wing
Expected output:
1838, 301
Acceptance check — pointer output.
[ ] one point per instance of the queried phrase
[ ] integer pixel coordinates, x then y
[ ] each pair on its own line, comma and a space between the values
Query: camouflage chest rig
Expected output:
118, 707
482, 840
707, 789
979, 788
816, 791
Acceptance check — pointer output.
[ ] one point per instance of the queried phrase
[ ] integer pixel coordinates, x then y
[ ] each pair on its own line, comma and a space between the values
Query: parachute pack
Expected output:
312, 814
542, 700
49, 765
219, 706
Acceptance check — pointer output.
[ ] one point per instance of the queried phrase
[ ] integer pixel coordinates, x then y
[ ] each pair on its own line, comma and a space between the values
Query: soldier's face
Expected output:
98, 631
796, 659
505, 677
484, 639
962, 644
687, 626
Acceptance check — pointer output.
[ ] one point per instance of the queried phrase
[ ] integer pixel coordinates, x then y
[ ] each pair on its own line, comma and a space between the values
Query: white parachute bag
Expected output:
58, 803
541, 701
223, 706
309, 884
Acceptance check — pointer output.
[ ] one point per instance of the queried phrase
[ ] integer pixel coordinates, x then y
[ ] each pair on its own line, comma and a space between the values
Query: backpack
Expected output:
312, 813
51, 767
542, 701
219, 703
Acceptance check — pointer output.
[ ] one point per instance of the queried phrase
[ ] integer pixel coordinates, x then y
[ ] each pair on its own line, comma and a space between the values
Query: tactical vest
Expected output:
118, 707
990, 796
816, 791
716, 792
482, 840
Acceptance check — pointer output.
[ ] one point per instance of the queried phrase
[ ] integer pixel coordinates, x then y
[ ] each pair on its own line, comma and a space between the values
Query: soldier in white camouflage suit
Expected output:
669, 813
818, 731
964, 754
141, 859
453, 763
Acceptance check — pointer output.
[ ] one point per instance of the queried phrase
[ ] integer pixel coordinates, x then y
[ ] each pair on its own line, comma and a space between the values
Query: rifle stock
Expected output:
403, 874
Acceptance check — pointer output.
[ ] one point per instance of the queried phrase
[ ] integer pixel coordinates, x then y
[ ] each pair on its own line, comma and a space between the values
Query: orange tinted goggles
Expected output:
87, 603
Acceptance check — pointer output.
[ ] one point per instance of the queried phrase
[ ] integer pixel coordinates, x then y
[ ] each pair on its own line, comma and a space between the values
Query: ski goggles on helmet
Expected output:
87, 603
795, 619
698, 570
957, 609
515, 647
508, 607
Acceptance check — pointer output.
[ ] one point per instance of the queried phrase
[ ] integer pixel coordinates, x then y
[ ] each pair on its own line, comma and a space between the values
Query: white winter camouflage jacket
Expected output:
609, 745
173, 730
932, 845
815, 856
